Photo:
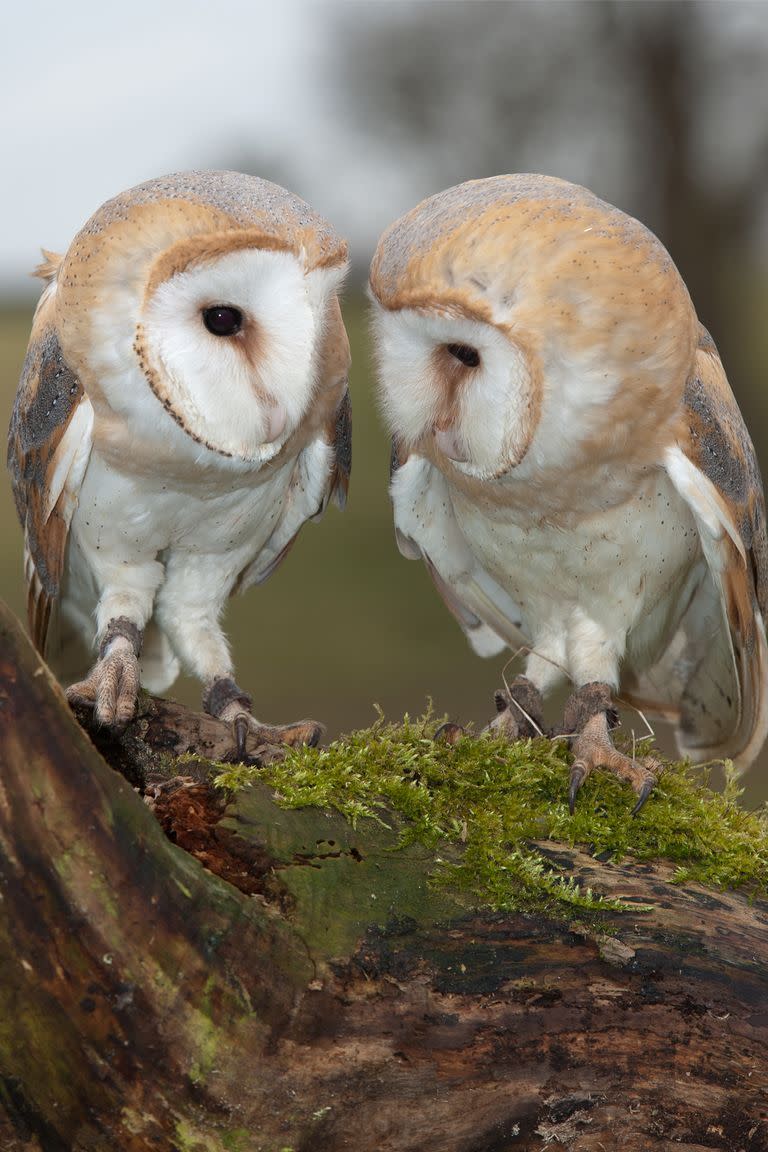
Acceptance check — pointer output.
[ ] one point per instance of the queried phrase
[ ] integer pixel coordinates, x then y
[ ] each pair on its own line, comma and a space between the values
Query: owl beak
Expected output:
447, 442
276, 419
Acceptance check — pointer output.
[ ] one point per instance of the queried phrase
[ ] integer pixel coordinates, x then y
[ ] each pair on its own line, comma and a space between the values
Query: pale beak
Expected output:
276, 419
447, 442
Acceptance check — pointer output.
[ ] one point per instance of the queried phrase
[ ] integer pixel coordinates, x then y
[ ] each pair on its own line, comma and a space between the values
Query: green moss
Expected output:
238, 1140
480, 804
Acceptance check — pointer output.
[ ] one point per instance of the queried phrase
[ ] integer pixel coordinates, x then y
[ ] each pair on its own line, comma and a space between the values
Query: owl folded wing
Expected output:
49, 445
426, 528
723, 662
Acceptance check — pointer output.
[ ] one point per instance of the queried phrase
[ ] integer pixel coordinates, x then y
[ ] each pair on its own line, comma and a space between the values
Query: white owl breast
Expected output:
125, 515
615, 570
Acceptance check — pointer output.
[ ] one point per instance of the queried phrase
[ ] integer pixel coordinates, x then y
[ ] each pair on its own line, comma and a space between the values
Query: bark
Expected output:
321, 995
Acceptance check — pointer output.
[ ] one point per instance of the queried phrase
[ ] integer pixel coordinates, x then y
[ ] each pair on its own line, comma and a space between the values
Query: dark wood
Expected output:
336, 1003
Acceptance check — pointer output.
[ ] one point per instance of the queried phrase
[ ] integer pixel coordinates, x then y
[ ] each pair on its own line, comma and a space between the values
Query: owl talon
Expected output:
520, 712
241, 732
504, 726
110, 690
589, 717
645, 790
247, 730
224, 700
579, 773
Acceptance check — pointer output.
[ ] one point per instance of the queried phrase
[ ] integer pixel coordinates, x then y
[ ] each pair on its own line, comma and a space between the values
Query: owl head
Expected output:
514, 316
196, 305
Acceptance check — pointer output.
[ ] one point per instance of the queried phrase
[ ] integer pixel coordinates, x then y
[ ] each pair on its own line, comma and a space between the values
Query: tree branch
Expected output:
148, 1004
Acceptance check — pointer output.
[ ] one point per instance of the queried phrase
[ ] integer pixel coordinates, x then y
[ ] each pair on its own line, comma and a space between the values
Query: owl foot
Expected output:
520, 712
227, 702
520, 715
112, 686
589, 716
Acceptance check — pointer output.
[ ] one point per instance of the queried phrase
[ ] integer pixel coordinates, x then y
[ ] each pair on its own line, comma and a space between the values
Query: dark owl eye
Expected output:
222, 319
465, 354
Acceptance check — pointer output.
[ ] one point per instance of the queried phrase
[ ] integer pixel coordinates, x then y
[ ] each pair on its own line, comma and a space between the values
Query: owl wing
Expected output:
49, 445
722, 660
338, 432
323, 467
426, 528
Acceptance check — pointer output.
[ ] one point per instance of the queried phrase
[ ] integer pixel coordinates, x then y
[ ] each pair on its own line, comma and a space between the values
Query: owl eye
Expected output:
222, 319
465, 354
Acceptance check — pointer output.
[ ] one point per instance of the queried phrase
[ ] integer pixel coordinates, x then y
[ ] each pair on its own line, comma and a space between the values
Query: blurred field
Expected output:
346, 622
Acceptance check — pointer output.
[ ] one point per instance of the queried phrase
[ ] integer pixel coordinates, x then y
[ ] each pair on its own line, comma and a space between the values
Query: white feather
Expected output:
494, 421
207, 378
70, 461
701, 495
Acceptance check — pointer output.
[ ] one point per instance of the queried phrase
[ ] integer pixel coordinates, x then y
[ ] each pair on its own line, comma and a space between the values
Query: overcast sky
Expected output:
100, 97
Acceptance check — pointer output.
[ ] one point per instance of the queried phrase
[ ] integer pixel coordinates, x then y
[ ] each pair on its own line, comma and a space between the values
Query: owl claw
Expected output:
224, 700
645, 790
246, 729
241, 732
110, 690
578, 775
592, 747
504, 725
519, 712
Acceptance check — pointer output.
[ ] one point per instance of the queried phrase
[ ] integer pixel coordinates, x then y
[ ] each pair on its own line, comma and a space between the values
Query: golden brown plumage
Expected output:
183, 411
581, 481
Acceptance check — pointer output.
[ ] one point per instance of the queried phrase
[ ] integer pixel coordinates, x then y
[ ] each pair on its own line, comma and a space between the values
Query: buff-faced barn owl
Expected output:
571, 465
182, 412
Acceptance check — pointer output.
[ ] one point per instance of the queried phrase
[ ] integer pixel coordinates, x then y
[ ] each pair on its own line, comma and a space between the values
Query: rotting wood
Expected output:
146, 1003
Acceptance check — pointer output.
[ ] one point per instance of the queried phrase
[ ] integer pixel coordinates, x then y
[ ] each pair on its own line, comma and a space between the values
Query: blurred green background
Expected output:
364, 108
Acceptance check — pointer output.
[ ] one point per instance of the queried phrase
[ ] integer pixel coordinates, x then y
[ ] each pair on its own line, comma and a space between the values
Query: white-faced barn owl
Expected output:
182, 412
571, 465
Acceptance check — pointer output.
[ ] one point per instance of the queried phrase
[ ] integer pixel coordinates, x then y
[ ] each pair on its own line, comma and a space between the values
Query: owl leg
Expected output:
128, 589
187, 608
223, 699
112, 685
588, 718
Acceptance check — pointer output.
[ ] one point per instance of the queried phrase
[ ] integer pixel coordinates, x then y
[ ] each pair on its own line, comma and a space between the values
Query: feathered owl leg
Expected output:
223, 699
112, 686
187, 608
588, 718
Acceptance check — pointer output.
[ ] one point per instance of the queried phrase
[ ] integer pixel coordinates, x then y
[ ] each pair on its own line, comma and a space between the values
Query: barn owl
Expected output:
571, 465
182, 412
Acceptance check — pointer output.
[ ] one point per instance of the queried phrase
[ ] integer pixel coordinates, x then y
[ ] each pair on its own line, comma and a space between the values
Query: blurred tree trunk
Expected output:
708, 227
326, 997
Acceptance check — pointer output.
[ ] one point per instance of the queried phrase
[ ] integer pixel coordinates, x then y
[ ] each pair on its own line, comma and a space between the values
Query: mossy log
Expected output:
322, 995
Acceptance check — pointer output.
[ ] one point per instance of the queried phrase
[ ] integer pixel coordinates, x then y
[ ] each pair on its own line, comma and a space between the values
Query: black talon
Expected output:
501, 700
241, 733
577, 778
643, 795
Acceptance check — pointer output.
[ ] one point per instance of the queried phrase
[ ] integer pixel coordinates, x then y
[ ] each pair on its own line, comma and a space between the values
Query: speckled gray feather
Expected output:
47, 396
